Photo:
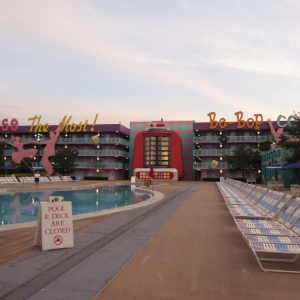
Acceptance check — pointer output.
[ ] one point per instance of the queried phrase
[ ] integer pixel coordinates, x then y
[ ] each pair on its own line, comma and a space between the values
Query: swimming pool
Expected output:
21, 207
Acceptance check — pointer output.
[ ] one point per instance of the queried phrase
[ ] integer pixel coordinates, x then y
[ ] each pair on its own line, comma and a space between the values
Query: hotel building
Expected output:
178, 150
104, 156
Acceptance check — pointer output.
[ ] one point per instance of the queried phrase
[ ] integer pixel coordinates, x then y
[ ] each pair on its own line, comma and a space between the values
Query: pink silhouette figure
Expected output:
21, 153
277, 134
49, 150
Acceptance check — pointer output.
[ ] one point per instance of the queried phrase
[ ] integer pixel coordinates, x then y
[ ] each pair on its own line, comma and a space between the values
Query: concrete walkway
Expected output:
185, 246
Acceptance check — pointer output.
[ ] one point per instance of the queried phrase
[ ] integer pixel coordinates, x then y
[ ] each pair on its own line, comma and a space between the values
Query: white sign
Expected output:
55, 224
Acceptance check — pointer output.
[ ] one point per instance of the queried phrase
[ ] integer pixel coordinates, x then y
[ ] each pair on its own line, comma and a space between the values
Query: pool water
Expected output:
23, 207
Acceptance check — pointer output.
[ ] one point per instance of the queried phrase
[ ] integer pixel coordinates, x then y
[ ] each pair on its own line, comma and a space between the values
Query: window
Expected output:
157, 151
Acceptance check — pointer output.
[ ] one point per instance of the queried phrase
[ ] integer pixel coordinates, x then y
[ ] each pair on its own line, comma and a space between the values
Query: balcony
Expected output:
234, 139
102, 153
207, 165
101, 165
212, 152
103, 141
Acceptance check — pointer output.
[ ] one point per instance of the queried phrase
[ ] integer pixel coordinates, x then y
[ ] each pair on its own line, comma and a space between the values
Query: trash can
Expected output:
77, 178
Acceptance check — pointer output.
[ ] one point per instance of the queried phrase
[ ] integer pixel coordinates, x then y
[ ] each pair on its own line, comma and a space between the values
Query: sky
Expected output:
137, 60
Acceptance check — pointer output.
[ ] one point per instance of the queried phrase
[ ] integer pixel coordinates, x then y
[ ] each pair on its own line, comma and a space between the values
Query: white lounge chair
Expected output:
26, 180
278, 216
240, 196
284, 241
66, 178
12, 180
271, 185
262, 210
3, 180
44, 179
279, 185
284, 246
295, 189
252, 199
55, 179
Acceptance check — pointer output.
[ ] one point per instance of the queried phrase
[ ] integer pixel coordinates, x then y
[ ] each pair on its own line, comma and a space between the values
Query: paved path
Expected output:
185, 246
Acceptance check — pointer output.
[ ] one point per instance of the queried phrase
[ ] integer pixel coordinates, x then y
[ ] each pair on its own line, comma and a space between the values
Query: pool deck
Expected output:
185, 246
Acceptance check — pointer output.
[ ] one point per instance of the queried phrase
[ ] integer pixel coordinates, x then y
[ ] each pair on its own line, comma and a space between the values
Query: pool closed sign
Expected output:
55, 224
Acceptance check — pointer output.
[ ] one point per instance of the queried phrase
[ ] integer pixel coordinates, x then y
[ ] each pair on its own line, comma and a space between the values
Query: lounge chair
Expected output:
278, 216
271, 185
282, 246
44, 179
251, 180
237, 187
282, 227
242, 198
283, 241
55, 178
252, 199
26, 180
3, 180
66, 178
279, 185
12, 180
236, 194
262, 210
295, 189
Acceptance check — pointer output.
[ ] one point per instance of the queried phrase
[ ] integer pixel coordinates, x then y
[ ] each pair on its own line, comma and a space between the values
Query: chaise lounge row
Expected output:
268, 220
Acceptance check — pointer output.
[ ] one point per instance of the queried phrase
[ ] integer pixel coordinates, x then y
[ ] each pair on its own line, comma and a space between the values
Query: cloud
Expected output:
61, 24
207, 54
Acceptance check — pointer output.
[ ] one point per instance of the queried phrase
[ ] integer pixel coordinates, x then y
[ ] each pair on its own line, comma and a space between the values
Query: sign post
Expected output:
55, 224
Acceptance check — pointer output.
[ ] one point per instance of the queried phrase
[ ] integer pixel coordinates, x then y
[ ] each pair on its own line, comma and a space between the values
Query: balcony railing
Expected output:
10, 152
234, 139
207, 165
60, 140
103, 141
101, 165
115, 153
103, 153
212, 152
